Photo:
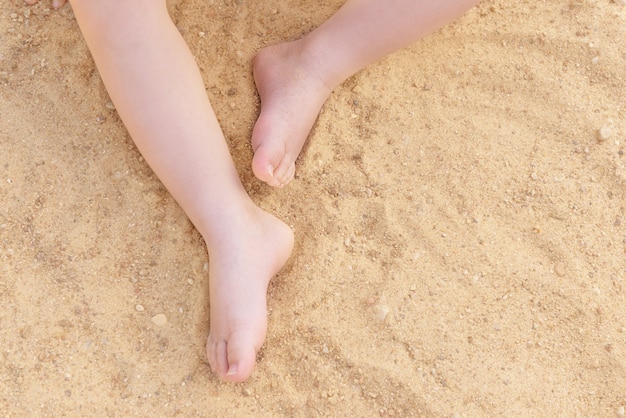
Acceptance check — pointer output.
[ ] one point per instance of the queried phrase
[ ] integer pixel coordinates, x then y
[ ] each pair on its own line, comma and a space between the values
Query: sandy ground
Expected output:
461, 225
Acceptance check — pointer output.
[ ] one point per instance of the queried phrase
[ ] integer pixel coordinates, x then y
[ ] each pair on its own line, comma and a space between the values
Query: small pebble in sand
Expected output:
620, 2
4, 76
620, 410
109, 105
604, 133
357, 89
381, 312
159, 320
559, 269
139, 308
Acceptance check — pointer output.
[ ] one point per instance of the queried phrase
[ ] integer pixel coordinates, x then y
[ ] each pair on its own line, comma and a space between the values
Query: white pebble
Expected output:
381, 312
139, 308
604, 133
159, 320
620, 410
560, 269
620, 2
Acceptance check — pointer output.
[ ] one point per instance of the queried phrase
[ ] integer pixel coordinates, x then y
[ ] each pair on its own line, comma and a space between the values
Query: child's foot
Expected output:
292, 95
241, 266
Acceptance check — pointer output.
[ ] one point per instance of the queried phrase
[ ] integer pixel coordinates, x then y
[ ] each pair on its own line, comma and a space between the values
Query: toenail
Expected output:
232, 370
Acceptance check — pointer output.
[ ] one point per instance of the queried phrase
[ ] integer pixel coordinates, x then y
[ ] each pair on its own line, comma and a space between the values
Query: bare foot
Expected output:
242, 263
292, 94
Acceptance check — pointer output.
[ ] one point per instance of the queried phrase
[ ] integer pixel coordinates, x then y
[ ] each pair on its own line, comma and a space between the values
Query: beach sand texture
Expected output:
459, 213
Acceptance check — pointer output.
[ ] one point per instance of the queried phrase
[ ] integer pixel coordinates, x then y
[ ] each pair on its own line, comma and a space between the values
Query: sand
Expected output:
460, 223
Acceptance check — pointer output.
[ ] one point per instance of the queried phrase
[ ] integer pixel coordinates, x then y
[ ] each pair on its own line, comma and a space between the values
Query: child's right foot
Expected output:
292, 95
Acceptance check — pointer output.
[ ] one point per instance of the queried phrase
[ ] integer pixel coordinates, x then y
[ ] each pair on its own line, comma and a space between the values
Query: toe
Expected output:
232, 360
274, 168
262, 168
241, 358
221, 358
210, 353
269, 151
284, 173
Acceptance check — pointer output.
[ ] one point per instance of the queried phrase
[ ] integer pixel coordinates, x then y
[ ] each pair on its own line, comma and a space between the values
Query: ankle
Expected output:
221, 225
315, 55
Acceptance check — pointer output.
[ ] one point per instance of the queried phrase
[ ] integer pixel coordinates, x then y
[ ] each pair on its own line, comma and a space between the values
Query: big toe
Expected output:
272, 162
241, 361
232, 360
271, 168
263, 165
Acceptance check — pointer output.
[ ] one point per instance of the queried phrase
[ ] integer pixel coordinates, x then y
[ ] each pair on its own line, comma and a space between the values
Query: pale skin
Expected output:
139, 52
294, 79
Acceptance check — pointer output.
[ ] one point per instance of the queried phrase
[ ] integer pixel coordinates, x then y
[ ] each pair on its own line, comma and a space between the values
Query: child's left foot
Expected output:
242, 262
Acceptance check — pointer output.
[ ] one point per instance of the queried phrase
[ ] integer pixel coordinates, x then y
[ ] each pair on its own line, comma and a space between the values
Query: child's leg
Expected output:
158, 91
294, 79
